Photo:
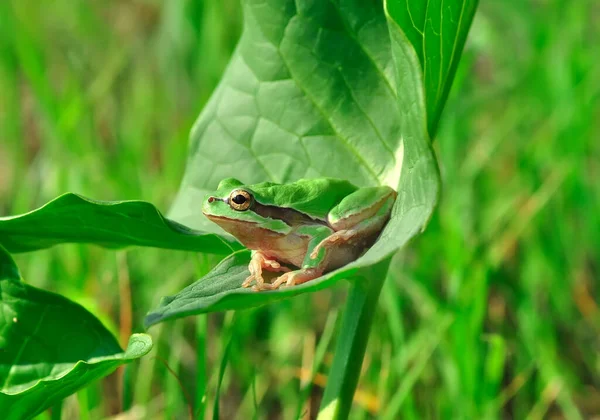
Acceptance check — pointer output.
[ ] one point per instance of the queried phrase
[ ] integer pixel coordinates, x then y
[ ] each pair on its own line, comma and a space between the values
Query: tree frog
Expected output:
315, 225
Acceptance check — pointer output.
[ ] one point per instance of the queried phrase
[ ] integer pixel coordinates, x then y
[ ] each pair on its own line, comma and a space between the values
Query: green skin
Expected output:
317, 225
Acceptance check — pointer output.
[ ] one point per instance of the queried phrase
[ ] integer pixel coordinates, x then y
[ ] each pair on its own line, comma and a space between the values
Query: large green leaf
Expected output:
314, 89
310, 91
50, 347
115, 224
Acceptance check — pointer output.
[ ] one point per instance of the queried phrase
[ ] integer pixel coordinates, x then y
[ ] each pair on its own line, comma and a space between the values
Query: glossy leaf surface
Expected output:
113, 224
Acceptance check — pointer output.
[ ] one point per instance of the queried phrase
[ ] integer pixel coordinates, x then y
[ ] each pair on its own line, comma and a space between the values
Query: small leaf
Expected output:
437, 29
113, 224
50, 346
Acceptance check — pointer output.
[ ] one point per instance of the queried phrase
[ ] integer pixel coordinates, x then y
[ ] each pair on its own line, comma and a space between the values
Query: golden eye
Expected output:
240, 200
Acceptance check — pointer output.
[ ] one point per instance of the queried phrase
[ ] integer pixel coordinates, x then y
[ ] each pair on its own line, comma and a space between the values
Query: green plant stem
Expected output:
83, 399
56, 411
200, 400
352, 342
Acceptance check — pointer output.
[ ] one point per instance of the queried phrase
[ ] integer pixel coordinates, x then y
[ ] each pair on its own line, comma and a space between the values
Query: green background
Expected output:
492, 311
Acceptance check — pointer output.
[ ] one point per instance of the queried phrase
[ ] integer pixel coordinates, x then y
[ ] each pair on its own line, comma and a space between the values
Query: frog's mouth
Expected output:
234, 226
222, 220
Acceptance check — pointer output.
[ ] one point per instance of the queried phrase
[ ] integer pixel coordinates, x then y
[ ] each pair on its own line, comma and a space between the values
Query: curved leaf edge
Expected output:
139, 345
8, 267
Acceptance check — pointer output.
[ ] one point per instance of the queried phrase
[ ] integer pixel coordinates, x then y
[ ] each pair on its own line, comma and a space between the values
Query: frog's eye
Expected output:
240, 200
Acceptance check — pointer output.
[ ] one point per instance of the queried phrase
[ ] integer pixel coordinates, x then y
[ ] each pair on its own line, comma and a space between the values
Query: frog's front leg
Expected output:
259, 262
311, 269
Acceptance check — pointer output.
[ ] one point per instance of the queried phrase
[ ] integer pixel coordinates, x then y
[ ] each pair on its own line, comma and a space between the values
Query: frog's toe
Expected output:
284, 278
260, 281
277, 268
263, 286
271, 264
248, 281
291, 278
302, 276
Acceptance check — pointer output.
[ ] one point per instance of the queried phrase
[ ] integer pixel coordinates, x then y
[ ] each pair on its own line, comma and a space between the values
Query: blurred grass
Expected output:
493, 312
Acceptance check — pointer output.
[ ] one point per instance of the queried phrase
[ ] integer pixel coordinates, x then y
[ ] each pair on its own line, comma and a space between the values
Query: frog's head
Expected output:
232, 200
233, 207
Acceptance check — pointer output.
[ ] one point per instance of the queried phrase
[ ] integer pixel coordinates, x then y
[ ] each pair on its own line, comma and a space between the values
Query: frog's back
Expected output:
314, 197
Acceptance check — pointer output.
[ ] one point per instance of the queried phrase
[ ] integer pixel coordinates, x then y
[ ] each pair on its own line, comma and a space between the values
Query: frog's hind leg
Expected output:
354, 227
358, 233
258, 263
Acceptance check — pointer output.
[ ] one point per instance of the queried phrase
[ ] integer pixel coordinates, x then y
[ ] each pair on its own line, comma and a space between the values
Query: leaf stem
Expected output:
56, 411
352, 342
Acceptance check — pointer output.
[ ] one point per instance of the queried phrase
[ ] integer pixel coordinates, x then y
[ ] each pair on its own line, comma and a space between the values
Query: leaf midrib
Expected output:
23, 346
321, 111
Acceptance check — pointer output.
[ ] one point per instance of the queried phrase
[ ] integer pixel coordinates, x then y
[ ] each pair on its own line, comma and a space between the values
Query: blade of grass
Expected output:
319, 355
352, 343
494, 372
175, 392
254, 397
228, 342
441, 324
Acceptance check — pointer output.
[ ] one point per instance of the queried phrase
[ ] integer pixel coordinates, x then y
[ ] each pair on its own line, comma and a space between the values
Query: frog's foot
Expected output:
291, 278
258, 263
336, 238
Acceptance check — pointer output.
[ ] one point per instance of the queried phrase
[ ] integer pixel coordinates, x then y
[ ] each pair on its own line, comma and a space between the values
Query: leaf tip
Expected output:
151, 319
139, 345
8, 267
